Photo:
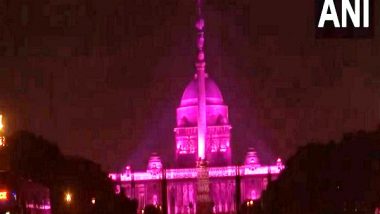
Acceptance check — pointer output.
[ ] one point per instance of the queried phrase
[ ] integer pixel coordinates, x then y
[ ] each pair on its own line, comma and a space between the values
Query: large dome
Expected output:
190, 95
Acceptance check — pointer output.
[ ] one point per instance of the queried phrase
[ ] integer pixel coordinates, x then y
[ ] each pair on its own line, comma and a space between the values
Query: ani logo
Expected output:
344, 18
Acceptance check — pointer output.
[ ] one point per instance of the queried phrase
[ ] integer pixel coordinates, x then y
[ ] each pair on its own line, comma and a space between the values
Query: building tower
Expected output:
209, 115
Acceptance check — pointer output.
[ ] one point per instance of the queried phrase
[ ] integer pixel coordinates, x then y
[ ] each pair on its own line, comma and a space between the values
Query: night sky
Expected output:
103, 79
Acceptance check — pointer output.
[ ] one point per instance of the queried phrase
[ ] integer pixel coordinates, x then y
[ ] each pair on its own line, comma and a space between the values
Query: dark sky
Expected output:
103, 79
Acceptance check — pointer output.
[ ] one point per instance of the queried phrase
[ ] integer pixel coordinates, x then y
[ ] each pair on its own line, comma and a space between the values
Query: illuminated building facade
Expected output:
181, 182
204, 171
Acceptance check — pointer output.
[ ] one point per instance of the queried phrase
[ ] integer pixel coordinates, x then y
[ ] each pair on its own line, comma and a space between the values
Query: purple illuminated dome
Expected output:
190, 95
217, 145
216, 110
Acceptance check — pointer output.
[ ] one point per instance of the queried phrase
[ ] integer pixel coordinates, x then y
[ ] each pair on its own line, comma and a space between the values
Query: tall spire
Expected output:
200, 66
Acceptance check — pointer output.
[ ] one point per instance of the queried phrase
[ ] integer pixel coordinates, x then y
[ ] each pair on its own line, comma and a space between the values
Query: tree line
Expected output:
91, 191
337, 177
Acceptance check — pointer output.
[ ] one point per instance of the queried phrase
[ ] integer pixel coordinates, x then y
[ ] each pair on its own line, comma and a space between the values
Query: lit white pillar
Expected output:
201, 75
203, 184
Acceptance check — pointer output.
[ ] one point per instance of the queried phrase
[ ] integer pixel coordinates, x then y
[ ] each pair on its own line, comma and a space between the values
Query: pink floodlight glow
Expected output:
191, 173
36, 206
279, 163
201, 147
223, 149
155, 200
125, 177
172, 174
113, 176
253, 195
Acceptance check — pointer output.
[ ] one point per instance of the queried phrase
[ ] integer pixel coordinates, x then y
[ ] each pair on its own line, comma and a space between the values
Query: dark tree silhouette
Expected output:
329, 178
35, 158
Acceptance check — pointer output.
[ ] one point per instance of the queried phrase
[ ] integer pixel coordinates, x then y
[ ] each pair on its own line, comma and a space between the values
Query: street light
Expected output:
2, 138
1, 122
68, 197
93, 200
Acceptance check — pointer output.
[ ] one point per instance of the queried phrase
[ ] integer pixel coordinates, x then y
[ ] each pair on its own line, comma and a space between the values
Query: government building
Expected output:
202, 156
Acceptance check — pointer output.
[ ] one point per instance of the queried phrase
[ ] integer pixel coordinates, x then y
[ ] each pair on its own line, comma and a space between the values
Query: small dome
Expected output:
190, 95
251, 158
154, 164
